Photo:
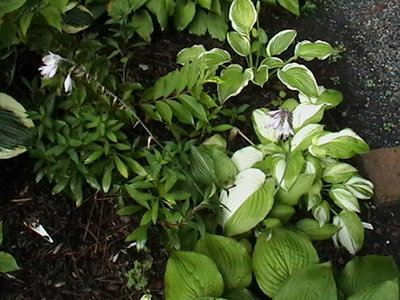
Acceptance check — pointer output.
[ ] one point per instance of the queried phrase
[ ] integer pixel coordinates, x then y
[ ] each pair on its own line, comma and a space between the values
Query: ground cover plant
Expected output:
163, 152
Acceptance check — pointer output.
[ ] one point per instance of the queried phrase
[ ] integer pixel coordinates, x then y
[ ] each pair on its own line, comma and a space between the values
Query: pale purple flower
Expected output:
281, 122
68, 82
50, 65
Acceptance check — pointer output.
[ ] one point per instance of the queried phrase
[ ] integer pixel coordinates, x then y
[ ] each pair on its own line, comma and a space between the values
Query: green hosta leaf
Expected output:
216, 141
302, 138
316, 232
247, 203
261, 75
184, 13
351, 234
338, 172
387, 290
231, 257
7, 263
343, 144
10, 5
299, 78
293, 167
233, 80
281, 211
191, 54
280, 42
162, 9
143, 24
216, 57
291, 5
266, 134
191, 275
211, 298
309, 50
240, 294
225, 169
331, 98
360, 187
344, 198
243, 16
277, 255
314, 282
305, 114
203, 168
272, 62
299, 188
246, 157
239, 43
362, 273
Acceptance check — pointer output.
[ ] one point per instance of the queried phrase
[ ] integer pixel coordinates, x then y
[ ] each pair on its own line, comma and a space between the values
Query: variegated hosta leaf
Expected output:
216, 57
331, 98
239, 43
246, 157
266, 134
322, 213
316, 232
306, 114
364, 272
243, 16
386, 290
187, 55
233, 80
288, 169
338, 172
191, 275
299, 78
272, 62
344, 198
278, 254
247, 202
261, 75
231, 257
351, 234
216, 141
302, 138
309, 50
282, 212
343, 144
312, 100
360, 187
314, 282
280, 42
313, 196
291, 197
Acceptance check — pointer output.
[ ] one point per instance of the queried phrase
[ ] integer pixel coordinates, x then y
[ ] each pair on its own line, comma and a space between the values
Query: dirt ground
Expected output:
89, 258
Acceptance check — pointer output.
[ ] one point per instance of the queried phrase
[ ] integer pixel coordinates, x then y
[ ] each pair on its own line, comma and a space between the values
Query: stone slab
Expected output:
382, 167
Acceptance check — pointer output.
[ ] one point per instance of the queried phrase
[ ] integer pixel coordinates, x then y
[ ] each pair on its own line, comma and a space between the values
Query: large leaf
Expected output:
363, 272
280, 42
233, 80
7, 263
231, 257
309, 50
7, 6
299, 78
247, 203
306, 113
351, 234
387, 290
343, 144
243, 16
266, 134
246, 157
277, 255
191, 275
314, 282
203, 167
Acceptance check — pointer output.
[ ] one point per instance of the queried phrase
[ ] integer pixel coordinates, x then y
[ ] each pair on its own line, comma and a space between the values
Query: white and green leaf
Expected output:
233, 80
243, 16
351, 234
280, 42
239, 43
246, 157
305, 114
310, 50
302, 138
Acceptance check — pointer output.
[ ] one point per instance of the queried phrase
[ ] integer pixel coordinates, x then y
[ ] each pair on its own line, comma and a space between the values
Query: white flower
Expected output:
68, 82
281, 122
50, 65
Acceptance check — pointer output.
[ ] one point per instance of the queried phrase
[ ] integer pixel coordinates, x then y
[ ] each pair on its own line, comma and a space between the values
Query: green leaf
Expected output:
331, 98
191, 275
293, 167
180, 112
139, 235
261, 75
216, 57
278, 254
217, 25
162, 9
1, 233
191, 54
199, 24
164, 110
184, 13
53, 16
205, 3
129, 210
316, 232
239, 43
140, 197
107, 178
7, 263
143, 25
281, 211
272, 62
194, 106
280, 42
386, 290
230, 256
299, 78
314, 282
246, 157
300, 187
240, 294
203, 168
121, 167
343, 144
233, 80
364, 272
291, 5
225, 169
243, 16
246, 203
351, 234
25, 22
309, 50
10, 5
134, 166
